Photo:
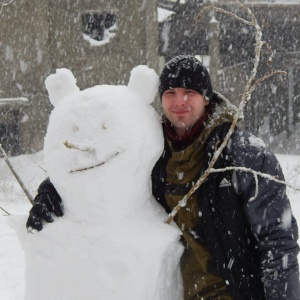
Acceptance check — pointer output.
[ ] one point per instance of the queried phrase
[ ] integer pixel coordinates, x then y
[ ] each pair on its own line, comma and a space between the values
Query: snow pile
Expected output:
112, 243
12, 264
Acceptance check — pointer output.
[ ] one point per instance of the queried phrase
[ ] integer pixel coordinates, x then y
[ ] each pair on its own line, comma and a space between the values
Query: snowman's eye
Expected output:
104, 126
75, 128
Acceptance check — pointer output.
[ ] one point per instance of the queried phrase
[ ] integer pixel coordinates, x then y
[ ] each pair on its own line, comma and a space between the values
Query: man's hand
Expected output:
46, 202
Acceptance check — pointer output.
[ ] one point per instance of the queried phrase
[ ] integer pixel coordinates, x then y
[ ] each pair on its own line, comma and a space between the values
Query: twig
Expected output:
199, 16
24, 188
42, 169
260, 80
97, 165
2, 4
7, 213
79, 147
255, 173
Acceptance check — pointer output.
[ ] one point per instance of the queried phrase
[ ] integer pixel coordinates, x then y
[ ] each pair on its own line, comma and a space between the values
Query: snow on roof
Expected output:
23, 99
164, 15
181, 1
285, 2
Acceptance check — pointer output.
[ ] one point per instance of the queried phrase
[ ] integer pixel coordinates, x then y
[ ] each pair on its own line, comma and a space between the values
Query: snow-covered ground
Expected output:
12, 199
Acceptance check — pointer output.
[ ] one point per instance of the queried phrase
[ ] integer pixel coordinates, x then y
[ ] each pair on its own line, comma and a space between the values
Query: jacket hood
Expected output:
223, 110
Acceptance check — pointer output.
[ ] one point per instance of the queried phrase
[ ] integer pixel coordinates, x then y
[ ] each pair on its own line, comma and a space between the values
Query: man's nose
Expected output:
181, 99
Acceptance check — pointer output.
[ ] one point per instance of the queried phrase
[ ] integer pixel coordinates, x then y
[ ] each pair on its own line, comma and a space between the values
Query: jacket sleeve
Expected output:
46, 187
48, 195
269, 215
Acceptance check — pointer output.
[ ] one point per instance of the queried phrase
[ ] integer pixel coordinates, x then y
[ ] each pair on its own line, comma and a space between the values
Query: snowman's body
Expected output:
112, 243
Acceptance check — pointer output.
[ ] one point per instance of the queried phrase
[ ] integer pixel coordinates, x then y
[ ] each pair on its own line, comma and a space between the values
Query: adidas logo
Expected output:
225, 183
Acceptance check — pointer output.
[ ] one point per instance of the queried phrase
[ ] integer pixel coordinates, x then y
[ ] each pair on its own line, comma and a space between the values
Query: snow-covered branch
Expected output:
246, 96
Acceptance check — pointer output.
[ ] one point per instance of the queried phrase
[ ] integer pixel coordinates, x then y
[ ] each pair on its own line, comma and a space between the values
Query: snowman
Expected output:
112, 242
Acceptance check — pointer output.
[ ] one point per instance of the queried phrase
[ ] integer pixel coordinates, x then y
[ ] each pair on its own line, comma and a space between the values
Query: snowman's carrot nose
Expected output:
79, 146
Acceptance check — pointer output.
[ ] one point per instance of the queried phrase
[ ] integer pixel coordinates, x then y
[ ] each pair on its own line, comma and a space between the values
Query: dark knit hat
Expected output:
185, 71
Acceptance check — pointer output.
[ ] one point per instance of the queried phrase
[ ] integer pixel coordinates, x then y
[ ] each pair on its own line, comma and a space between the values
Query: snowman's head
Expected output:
102, 131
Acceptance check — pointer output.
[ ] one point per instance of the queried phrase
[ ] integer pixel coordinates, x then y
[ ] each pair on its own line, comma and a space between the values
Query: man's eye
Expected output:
169, 93
190, 92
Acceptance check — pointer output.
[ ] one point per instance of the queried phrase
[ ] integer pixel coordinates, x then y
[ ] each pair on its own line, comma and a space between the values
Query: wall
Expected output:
39, 36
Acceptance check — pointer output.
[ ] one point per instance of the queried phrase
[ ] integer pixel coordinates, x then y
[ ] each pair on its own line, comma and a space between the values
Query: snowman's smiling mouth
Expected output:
96, 165
87, 148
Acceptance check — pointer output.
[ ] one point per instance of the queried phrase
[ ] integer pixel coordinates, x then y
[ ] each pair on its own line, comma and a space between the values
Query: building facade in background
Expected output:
99, 40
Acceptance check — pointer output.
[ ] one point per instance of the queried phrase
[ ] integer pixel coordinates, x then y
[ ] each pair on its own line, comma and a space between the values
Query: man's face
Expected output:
183, 108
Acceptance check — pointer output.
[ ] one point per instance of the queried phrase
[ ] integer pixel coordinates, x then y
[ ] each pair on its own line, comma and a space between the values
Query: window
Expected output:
99, 26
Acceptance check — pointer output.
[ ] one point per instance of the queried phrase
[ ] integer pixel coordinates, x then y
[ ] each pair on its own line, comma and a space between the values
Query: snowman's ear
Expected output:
60, 84
144, 81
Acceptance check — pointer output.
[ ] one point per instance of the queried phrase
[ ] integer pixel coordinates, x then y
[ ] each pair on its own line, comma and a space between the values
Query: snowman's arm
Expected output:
47, 201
